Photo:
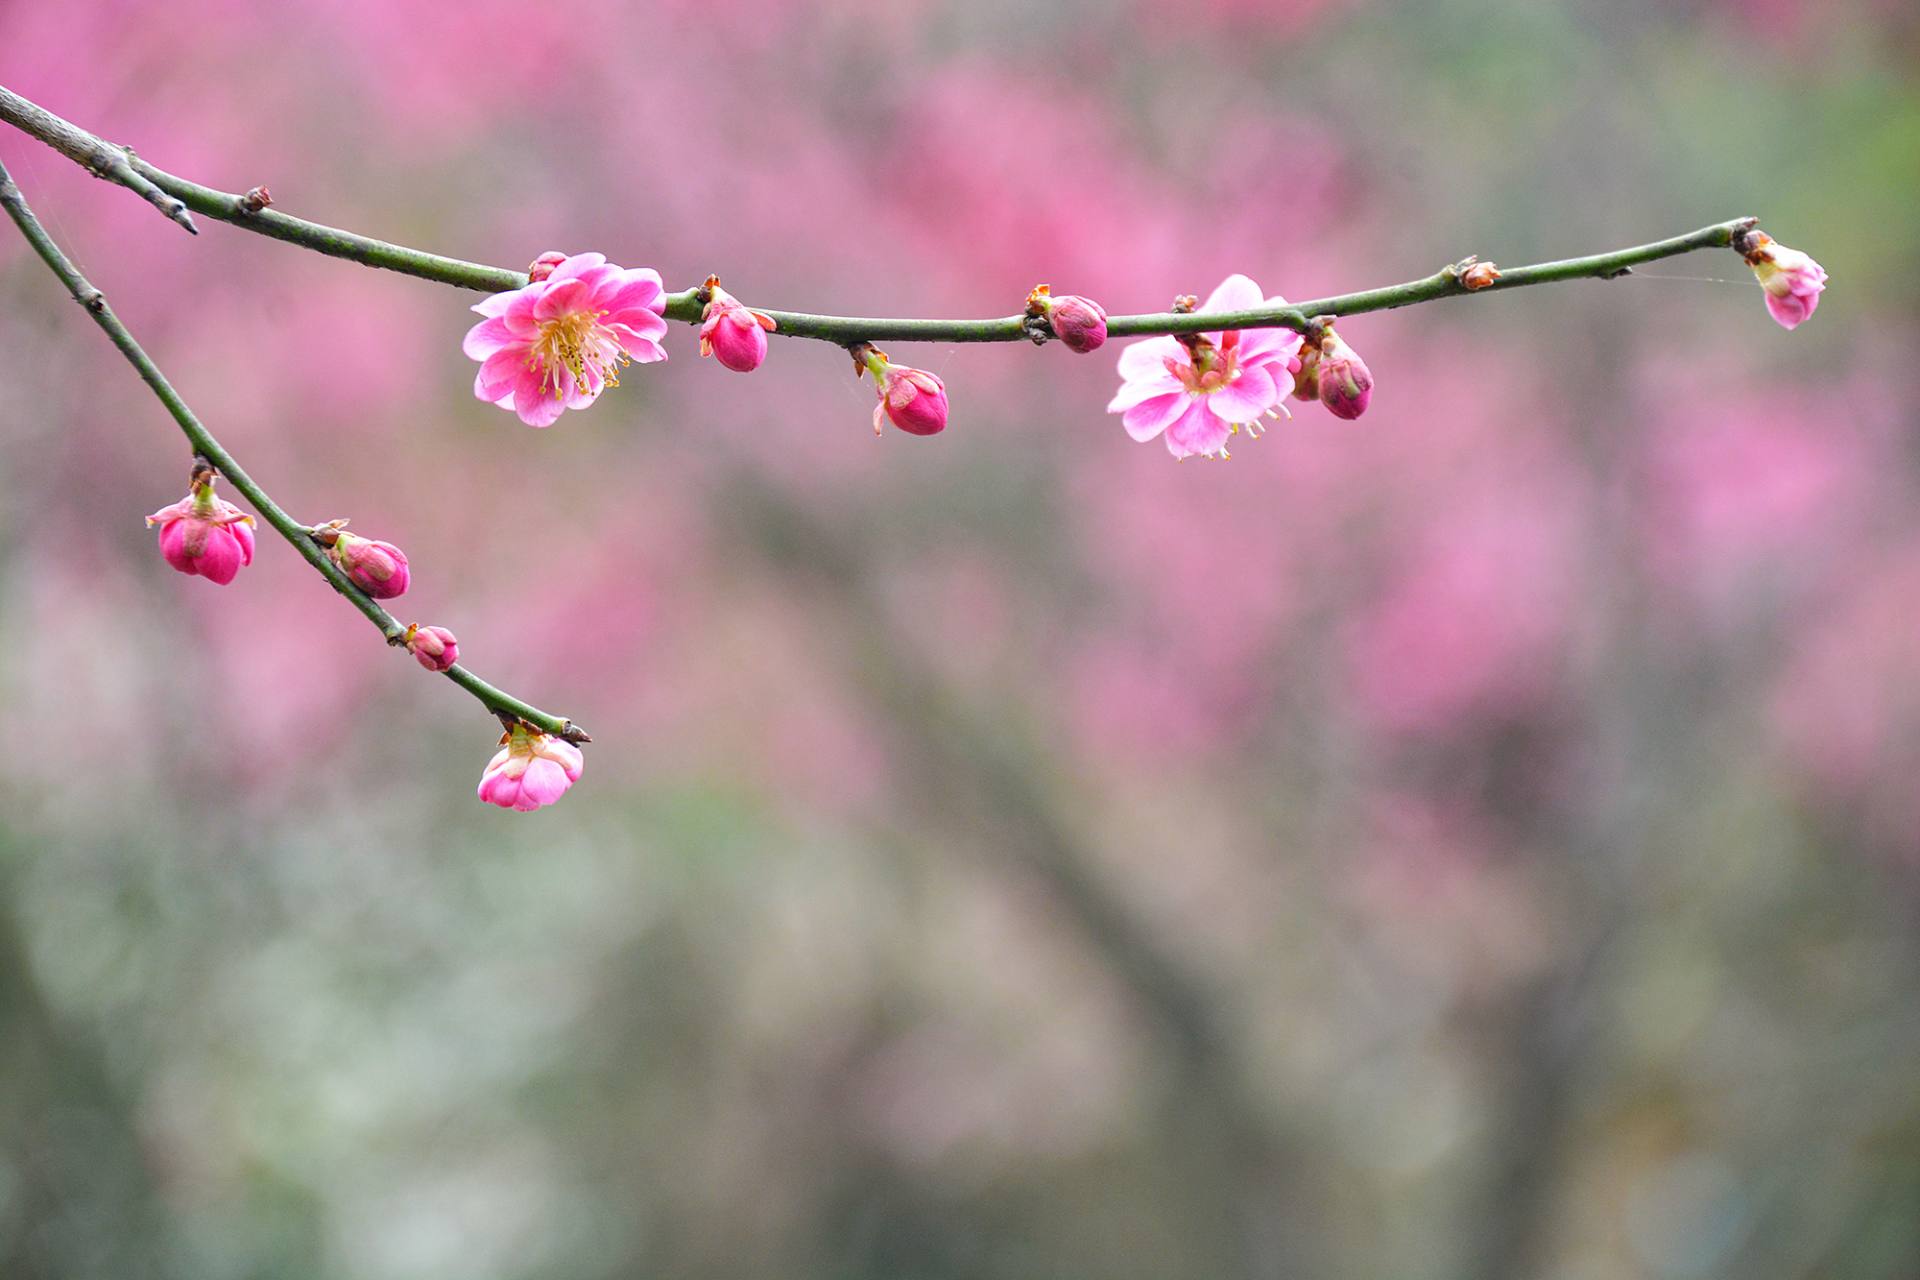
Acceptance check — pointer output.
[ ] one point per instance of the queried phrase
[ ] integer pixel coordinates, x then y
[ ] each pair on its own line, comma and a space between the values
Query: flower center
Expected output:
576, 342
1208, 368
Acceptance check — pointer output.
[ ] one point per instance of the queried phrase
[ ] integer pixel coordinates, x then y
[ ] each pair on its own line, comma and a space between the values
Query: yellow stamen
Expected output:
576, 342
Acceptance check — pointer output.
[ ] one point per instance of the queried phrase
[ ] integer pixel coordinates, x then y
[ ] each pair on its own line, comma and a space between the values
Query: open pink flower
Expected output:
531, 770
1201, 389
1792, 280
557, 343
205, 535
732, 332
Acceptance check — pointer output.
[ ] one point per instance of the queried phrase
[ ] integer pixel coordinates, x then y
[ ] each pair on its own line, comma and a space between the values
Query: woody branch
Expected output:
247, 211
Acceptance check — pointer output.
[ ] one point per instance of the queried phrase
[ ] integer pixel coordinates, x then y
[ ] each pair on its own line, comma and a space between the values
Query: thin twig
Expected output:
203, 443
687, 305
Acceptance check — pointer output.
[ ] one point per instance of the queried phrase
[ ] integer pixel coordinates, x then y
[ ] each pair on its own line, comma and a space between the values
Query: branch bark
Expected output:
687, 305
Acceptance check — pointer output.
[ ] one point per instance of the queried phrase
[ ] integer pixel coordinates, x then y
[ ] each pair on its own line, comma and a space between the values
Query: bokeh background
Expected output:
1478, 841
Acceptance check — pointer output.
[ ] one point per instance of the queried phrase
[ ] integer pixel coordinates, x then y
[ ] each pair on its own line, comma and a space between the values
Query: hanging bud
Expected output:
377, 568
531, 770
732, 333
205, 535
912, 399
1080, 323
542, 267
432, 647
1346, 385
1792, 280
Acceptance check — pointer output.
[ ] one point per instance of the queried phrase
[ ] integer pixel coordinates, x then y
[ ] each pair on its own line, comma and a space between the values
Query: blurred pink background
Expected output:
1481, 839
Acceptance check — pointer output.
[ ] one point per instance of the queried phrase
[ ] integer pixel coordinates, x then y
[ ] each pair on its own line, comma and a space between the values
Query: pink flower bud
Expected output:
733, 334
542, 267
913, 399
377, 568
1079, 322
531, 770
1792, 280
432, 647
205, 535
1346, 385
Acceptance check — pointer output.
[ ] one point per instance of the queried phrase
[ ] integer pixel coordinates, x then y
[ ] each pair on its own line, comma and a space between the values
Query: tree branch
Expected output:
96, 155
687, 305
296, 534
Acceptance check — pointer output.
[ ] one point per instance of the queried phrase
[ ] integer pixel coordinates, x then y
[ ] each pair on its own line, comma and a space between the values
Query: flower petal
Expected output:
219, 558
577, 265
1250, 394
499, 372
637, 287
1135, 391
1149, 418
496, 304
1235, 293
537, 406
564, 754
559, 299
486, 338
1149, 358
1197, 431
1792, 310
1261, 346
520, 308
544, 782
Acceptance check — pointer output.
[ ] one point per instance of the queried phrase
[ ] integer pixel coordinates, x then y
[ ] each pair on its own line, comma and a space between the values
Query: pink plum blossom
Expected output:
377, 568
205, 535
1199, 389
531, 770
733, 333
912, 399
557, 343
1792, 280
432, 647
1346, 384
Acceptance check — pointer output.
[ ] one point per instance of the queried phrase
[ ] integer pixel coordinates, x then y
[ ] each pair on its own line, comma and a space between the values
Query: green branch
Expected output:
129, 170
296, 534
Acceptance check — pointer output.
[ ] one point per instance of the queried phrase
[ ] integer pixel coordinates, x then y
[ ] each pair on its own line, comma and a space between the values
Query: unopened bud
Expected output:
377, 568
432, 647
542, 267
912, 399
204, 535
1346, 385
1479, 275
1080, 323
1793, 281
732, 333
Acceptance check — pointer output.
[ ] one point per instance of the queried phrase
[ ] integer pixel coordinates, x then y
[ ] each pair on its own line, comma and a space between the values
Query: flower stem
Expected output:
138, 175
296, 534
